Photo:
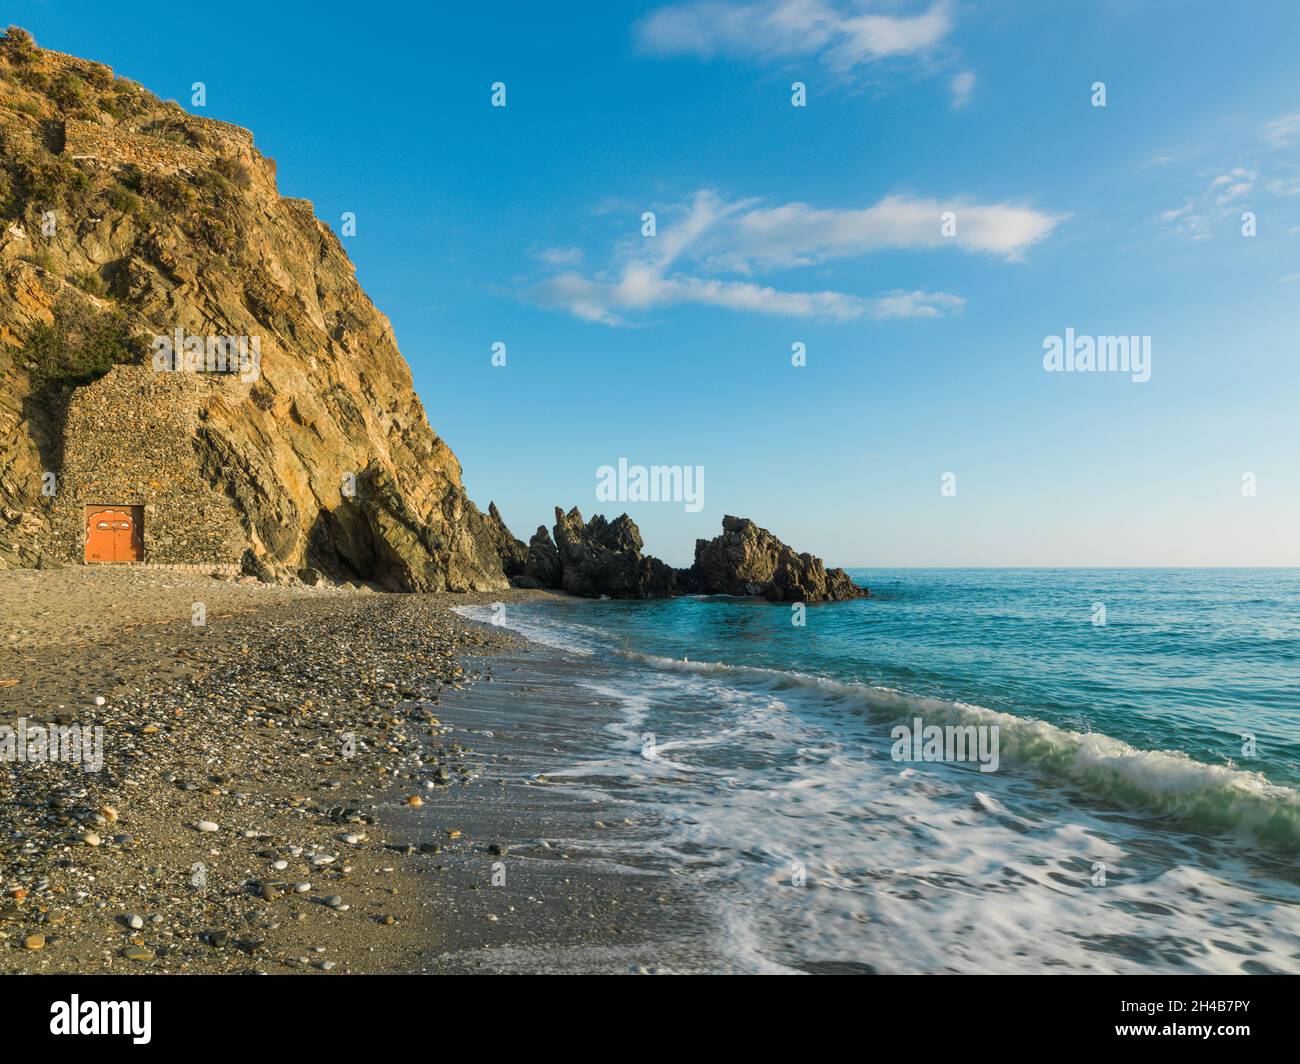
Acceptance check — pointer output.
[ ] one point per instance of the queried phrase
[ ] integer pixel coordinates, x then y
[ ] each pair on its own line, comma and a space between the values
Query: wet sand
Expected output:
578, 888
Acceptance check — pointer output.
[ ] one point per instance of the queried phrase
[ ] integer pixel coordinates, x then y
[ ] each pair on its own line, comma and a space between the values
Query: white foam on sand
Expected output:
776, 800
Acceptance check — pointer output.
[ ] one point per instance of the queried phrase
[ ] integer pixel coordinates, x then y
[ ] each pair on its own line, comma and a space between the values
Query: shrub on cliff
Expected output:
123, 200
81, 345
8, 207
19, 45
68, 91
52, 182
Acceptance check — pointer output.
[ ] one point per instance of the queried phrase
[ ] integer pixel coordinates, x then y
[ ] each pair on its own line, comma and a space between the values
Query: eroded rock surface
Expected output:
600, 557
123, 218
606, 558
748, 560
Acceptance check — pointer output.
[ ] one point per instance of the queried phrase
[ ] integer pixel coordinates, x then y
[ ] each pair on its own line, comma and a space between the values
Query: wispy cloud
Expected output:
566, 256
1283, 131
799, 235
644, 288
962, 85
1233, 185
705, 240
1263, 170
842, 36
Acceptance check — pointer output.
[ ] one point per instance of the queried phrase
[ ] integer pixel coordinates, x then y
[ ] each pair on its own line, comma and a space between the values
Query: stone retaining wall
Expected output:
130, 440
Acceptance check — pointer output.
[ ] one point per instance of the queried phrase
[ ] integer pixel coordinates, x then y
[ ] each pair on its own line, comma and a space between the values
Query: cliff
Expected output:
124, 219
183, 344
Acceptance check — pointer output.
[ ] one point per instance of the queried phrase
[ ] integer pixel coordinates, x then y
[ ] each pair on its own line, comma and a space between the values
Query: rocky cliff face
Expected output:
125, 222
748, 560
122, 219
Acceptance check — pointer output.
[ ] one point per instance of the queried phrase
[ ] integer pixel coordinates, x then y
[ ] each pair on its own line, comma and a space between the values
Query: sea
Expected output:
972, 770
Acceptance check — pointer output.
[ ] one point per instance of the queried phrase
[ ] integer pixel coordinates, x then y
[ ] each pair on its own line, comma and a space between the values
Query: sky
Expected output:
949, 196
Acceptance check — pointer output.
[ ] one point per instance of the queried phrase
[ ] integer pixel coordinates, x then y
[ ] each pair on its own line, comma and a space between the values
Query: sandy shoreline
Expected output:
297, 721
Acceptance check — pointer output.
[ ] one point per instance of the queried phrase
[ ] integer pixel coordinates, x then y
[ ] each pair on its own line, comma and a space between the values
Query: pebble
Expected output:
415, 799
90, 839
301, 888
207, 825
137, 953
134, 921
334, 901
280, 865
34, 942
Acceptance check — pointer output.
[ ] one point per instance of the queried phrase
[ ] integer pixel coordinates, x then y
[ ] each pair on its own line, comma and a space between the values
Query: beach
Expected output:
254, 809
332, 779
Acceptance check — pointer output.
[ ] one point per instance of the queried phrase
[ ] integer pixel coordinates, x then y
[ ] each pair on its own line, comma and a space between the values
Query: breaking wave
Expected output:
1215, 797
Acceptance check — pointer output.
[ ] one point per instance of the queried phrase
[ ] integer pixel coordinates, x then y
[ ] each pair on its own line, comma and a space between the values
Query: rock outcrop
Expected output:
605, 558
141, 250
600, 557
748, 560
542, 567
512, 552
123, 219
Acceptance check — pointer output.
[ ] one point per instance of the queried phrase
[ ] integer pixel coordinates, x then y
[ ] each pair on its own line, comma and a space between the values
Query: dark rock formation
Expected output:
748, 560
602, 557
512, 552
542, 566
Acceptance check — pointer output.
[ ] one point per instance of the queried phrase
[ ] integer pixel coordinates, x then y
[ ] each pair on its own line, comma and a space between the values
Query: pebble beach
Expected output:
254, 769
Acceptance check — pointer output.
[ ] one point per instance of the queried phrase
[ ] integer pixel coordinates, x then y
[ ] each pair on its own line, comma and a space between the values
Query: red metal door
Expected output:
113, 534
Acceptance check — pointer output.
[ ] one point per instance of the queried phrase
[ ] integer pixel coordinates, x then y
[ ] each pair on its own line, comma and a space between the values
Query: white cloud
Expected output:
837, 33
1197, 217
1270, 173
799, 235
1283, 131
710, 236
644, 288
568, 256
1233, 185
962, 85
915, 304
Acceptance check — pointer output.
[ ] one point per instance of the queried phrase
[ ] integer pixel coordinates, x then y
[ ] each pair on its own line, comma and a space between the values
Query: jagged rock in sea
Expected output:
181, 343
748, 560
600, 557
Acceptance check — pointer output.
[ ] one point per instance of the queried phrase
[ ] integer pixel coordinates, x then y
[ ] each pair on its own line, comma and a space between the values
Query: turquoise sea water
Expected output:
1186, 660
1143, 816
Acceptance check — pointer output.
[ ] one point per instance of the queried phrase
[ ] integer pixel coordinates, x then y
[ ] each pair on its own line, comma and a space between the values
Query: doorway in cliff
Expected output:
114, 533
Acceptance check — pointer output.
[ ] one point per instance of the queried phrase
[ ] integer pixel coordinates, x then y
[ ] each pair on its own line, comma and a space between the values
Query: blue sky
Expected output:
820, 225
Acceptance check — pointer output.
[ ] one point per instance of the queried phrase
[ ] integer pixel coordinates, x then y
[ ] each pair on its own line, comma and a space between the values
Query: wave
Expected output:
571, 638
1169, 782
1215, 797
